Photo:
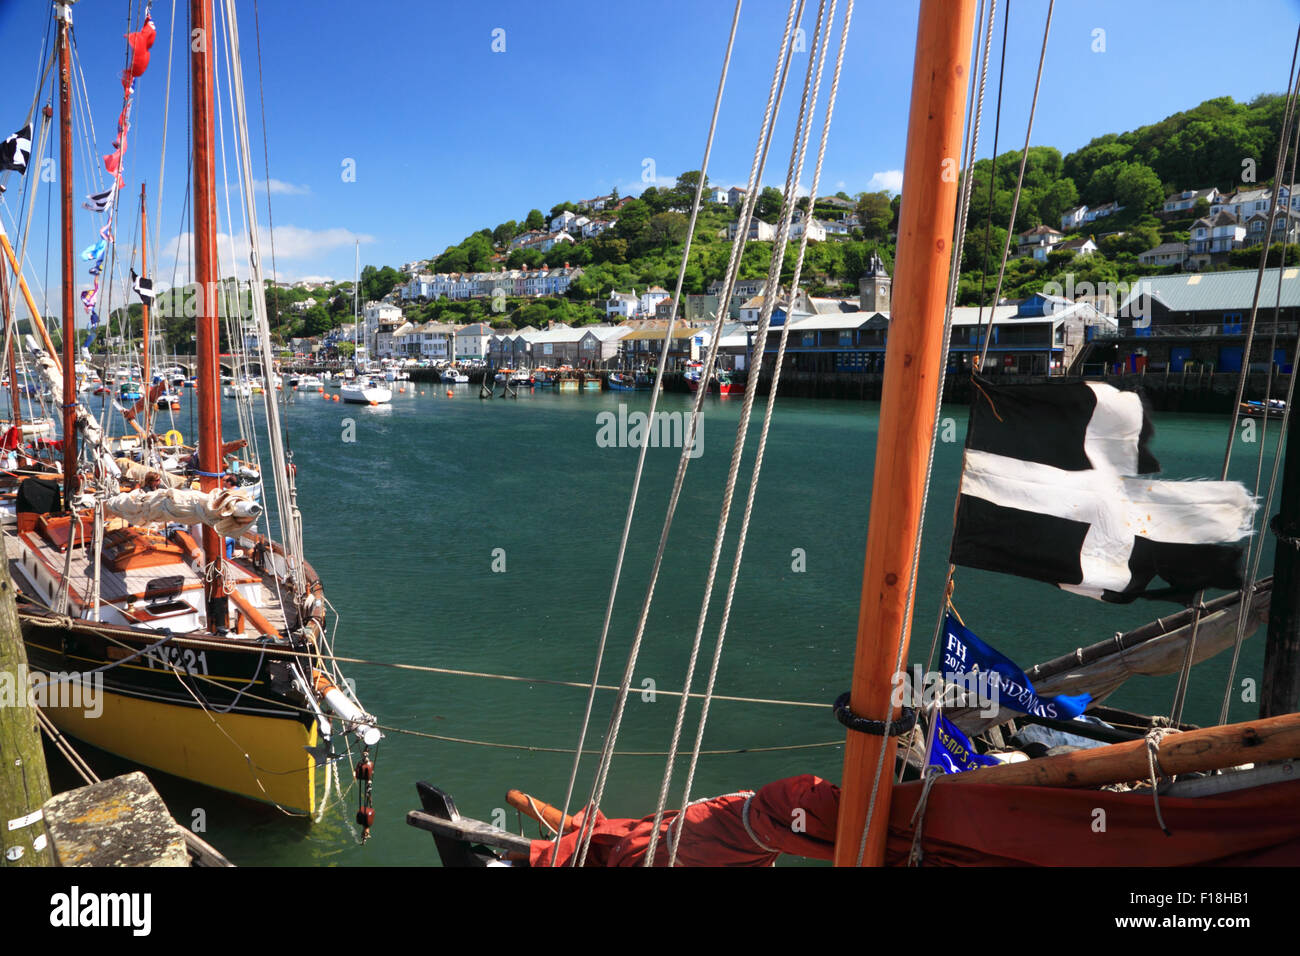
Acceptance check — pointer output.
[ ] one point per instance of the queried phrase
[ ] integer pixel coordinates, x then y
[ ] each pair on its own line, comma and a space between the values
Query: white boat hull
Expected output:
366, 394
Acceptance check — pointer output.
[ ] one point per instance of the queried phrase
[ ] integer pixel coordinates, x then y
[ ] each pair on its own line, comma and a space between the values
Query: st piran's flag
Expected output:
143, 287
16, 151
1053, 490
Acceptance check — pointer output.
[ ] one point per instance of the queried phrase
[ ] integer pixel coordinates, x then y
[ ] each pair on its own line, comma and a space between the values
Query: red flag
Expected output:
140, 42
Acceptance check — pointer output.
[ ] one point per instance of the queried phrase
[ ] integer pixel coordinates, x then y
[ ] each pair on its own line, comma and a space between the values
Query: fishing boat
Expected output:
726, 383
454, 376
210, 637
1234, 798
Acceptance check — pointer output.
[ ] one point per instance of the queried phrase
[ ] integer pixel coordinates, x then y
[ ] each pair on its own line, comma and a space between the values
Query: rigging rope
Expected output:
1020, 182
1259, 541
803, 130
654, 400
775, 93
1184, 674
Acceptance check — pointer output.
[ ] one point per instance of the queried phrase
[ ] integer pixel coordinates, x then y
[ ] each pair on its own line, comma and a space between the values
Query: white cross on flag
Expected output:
16, 150
1053, 490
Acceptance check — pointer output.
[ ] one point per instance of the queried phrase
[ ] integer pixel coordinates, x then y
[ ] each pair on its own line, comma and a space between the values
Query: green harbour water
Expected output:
404, 526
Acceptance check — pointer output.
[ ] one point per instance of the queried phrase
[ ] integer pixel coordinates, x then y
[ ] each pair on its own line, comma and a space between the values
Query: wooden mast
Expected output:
1280, 688
205, 275
908, 403
144, 316
63, 12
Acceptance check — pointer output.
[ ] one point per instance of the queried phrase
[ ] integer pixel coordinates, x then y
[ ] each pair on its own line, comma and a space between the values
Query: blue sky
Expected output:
449, 136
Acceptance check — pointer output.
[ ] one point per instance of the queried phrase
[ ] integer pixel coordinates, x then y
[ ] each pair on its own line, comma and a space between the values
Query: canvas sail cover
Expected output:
1055, 488
227, 511
795, 815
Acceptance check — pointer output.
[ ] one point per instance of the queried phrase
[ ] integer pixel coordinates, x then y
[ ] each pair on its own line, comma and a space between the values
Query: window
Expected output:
846, 337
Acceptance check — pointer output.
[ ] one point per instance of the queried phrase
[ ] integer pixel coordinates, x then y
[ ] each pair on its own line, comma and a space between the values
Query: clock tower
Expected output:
874, 286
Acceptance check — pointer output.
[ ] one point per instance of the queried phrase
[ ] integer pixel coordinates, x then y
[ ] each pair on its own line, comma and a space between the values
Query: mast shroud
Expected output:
205, 275
1279, 691
144, 316
909, 401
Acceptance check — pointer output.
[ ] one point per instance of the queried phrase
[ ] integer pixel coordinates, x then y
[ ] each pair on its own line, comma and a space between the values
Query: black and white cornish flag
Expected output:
1052, 491
16, 151
143, 287
100, 201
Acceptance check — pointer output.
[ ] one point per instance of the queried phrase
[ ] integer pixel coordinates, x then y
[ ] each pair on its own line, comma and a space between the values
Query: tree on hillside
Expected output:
656, 199
683, 193
1138, 187
875, 213
665, 228
316, 321
633, 220
561, 207
1056, 199
377, 283
768, 206
503, 233
534, 219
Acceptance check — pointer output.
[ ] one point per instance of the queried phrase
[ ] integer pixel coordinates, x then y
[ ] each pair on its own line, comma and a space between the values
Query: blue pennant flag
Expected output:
90, 340
951, 752
1004, 682
94, 253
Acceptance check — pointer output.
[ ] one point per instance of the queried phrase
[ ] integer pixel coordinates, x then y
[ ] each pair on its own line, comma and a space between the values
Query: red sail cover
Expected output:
968, 824
972, 824
795, 815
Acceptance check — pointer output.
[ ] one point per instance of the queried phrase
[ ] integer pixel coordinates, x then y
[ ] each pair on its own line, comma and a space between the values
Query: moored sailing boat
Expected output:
1024, 811
209, 639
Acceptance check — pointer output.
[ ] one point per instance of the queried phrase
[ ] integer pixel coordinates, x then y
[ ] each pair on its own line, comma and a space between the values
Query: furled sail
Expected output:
91, 433
225, 510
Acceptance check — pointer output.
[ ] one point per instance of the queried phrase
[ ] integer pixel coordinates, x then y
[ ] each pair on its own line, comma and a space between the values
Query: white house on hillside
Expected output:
621, 304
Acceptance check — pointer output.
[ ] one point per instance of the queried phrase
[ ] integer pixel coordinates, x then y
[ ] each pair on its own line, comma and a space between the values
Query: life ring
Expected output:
173, 439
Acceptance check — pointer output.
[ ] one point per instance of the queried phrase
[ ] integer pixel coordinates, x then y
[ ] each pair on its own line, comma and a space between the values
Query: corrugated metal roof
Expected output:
1218, 291
970, 315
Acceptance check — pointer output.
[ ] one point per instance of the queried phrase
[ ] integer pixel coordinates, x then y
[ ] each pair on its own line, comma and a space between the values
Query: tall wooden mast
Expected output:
63, 12
908, 403
205, 275
144, 315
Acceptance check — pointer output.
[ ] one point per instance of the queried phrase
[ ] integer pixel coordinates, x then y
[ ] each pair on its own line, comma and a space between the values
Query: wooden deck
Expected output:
123, 587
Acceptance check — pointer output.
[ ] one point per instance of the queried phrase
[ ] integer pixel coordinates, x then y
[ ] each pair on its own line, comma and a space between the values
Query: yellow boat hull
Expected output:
260, 757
